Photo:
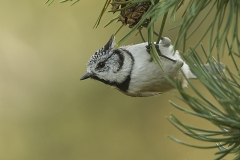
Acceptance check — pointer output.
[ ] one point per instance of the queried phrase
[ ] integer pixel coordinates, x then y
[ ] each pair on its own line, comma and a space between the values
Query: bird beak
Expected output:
86, 76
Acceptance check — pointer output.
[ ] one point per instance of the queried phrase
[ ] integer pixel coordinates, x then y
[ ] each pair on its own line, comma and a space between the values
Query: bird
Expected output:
130, 68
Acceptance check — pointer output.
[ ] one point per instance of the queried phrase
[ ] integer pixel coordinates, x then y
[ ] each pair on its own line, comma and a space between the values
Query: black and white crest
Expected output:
104, 52
111, 66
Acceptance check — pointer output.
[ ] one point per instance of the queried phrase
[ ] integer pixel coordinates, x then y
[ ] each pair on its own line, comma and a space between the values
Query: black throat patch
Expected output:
121, 86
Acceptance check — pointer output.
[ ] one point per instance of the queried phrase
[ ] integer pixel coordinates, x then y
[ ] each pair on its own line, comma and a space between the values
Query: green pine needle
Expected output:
227, 117
49, 2
222, 33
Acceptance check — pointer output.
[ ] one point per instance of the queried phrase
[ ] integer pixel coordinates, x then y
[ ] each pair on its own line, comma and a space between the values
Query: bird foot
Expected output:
148, 49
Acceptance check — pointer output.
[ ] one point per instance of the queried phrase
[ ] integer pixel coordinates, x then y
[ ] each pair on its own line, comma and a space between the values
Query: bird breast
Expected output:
147, 78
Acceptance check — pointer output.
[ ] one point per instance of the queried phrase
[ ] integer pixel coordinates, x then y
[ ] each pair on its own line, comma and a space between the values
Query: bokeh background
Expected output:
47, 113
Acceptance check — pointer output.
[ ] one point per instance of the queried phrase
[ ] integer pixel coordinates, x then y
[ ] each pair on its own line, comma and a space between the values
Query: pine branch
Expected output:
222, 33
227, 92
49, 2
225, 89
161, 8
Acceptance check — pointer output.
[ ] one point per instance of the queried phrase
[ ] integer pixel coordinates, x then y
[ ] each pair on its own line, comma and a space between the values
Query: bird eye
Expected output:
101, 65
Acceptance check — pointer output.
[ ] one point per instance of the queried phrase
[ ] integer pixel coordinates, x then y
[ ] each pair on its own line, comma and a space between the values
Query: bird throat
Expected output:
121, 86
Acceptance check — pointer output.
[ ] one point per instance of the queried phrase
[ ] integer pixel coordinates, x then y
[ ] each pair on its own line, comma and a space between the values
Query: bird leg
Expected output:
148, 48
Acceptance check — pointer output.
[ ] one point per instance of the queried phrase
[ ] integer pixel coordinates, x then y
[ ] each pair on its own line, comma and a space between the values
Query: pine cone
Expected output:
131, 16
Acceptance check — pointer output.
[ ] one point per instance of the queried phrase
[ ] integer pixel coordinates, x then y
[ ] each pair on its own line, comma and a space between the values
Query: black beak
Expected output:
86, 76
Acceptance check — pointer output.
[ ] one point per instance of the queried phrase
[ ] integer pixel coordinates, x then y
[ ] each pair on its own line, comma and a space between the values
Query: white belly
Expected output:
147, 78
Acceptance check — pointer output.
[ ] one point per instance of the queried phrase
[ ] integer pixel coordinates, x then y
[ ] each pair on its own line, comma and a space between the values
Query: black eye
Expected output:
101, 65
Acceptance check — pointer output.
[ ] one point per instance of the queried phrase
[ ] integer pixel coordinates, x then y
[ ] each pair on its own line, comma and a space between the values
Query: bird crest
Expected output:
103, 52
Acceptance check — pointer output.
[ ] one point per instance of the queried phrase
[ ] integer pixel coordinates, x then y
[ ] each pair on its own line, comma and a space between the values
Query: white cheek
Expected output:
115, 67
121, 74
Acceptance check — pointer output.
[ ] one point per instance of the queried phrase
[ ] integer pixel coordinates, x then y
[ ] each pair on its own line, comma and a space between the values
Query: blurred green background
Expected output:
47, 113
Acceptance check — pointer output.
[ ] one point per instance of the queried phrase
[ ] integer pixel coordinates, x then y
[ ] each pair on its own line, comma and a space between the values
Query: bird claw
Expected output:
148, 49
179, 63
